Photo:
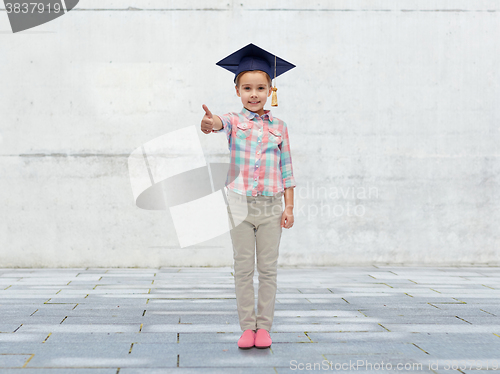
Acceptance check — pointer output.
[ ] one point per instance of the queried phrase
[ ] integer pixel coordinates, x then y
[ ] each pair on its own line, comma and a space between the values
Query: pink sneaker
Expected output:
247, 339
262, 339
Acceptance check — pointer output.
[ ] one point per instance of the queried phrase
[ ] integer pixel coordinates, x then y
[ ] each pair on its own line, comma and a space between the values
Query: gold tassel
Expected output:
274, 101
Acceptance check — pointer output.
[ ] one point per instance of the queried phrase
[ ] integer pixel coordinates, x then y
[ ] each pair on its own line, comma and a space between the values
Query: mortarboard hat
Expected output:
251, 58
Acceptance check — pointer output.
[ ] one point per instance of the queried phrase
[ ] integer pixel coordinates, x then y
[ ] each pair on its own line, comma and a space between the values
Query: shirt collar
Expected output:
252, 115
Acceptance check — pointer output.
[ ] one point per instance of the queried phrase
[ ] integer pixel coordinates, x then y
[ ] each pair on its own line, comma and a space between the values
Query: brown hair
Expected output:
269, 81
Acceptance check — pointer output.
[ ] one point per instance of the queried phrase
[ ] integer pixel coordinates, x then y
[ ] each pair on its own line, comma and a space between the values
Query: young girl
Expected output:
260, 173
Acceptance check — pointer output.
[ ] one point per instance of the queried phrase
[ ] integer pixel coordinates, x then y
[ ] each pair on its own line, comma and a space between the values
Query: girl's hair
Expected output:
269, 81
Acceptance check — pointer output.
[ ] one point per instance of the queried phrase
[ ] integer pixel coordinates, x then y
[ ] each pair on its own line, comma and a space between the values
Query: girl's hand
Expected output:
207, 123
287, 219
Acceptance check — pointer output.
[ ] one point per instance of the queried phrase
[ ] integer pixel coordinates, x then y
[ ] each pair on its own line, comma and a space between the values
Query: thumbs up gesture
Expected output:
207, 123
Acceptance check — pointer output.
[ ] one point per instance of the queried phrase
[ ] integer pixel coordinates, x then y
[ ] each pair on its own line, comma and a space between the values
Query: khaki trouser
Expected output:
256, 228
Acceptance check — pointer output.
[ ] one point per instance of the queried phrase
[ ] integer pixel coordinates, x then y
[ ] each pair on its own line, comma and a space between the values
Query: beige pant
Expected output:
258, 230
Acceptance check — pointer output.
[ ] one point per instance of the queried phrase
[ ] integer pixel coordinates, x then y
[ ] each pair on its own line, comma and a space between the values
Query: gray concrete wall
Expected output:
393, 115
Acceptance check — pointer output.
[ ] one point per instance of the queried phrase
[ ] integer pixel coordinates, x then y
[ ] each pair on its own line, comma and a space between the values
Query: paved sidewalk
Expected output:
169, 320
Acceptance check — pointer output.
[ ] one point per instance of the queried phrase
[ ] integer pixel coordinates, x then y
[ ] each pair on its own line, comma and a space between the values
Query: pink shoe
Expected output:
247, 339
262, 339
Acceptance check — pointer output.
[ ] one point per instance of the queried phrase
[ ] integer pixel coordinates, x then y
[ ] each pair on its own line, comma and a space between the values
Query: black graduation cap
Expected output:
251, 58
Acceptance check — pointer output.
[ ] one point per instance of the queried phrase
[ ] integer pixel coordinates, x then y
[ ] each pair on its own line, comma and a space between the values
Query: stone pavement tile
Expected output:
338, 327
462, 350
13, 360
65, 301
191, 304
83, 361
290, 337
288, 290
407, 312
458, 306
458, 297
43, 320
83, 328
81, 311
449, 339
105, 337
22, 338
4, 301
9, 327
301, 301
116, 299
180, 312
439, 320
16, 312
21, 297
317, 313
157, 355
111, 307
477, 290
155, 294
325, 320
178, 328
55, 306
59, 371
122, 291
16, 348
342, 337
230, 318
465, 328
81, 320
479, 299
490, 310
24, 288
200, 370
210, 337
71, 355
484, 319
350, 348
316, 290
84, 356
399, 301
336, 306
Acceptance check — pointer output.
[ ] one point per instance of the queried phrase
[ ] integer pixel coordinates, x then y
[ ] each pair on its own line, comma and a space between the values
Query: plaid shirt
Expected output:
261, 162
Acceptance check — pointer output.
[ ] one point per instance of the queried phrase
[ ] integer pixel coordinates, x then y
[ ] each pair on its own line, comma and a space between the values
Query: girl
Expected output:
260, 173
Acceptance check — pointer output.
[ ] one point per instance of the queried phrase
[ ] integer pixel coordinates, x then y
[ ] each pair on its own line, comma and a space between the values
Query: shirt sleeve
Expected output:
286, 161
226, 125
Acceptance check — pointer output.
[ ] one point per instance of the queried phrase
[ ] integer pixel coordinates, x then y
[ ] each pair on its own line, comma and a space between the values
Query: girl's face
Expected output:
254, 90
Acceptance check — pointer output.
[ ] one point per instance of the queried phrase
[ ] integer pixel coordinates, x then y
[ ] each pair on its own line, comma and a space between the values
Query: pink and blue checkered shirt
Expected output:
261, 162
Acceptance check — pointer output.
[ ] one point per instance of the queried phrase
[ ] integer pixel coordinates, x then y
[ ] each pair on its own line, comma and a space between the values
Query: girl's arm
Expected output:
289, 200
287, 215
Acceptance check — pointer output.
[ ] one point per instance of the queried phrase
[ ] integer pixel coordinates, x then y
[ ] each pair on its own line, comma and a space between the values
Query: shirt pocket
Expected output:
243, 130
275, 136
